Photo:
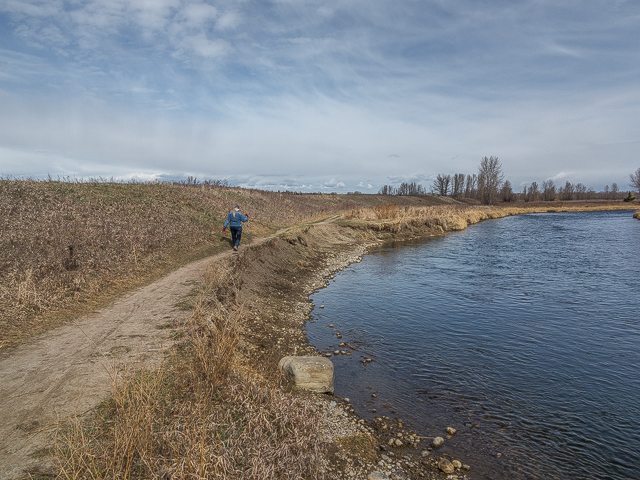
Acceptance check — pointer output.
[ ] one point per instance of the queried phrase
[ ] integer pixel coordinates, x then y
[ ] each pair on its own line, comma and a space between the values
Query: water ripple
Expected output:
522, 332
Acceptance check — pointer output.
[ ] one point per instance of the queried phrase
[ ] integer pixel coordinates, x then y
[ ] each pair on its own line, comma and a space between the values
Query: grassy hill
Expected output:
68, 247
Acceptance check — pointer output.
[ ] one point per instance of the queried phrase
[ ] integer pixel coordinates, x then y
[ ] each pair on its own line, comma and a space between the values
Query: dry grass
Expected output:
200, 416
445, 218
65, 245
637, 215
204, 413
361, 445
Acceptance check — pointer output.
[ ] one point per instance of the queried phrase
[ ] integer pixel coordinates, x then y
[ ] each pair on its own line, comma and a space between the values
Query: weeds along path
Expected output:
69, 370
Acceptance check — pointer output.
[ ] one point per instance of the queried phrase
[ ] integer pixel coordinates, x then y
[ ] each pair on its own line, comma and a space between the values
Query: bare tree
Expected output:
548, 190
387, 190
566, 193
534, 193
580, 191
412, 188
489, 179
458, 185
506, 192
525, 194
635, 180
441, 185
614, 191
470, 187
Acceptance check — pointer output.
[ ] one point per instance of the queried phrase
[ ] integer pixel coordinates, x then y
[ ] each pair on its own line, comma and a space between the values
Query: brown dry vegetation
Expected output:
64, 246
416, 220
216, 408
202, 415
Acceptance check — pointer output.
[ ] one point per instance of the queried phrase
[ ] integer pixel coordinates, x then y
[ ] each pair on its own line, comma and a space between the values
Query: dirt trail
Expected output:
68, 370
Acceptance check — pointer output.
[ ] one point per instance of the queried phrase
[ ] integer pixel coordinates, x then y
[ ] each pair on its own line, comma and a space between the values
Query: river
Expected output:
522, 333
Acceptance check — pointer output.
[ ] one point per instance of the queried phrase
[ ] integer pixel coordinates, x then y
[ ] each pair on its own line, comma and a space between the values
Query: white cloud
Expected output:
312, 90
205, 47
333, 183
197, 14
229, 20
33, 8
561, 50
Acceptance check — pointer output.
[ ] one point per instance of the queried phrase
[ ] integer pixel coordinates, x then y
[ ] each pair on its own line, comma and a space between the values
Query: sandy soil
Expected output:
69, 370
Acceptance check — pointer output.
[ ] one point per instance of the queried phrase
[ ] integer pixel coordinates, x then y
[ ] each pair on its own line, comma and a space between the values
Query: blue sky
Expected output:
320, 96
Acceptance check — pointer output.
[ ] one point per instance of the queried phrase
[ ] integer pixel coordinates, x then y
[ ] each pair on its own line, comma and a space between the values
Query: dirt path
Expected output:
69, 370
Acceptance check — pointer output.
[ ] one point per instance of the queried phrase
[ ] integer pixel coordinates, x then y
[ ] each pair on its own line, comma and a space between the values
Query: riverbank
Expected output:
248, 314
218, 406
67, 248
483, 329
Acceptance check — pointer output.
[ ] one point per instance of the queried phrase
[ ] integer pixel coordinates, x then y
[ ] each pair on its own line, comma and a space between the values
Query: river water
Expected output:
522, 333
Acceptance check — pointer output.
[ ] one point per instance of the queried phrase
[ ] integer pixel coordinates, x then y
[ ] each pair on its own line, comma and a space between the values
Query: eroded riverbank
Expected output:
264, 290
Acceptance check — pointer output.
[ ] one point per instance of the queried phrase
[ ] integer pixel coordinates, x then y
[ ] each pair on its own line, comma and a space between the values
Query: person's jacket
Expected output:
235, 219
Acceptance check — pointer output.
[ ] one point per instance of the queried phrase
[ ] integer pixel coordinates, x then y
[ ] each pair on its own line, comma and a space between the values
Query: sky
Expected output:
327, 95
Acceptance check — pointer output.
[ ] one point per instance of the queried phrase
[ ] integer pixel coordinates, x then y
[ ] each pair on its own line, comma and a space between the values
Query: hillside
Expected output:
66, 248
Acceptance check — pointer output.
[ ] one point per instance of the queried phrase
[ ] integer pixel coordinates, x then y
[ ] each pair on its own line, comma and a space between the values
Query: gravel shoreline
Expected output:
401, 453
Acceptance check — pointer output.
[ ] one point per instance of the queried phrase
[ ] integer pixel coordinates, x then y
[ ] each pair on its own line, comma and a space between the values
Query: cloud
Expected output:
315, 91
229, 20
197, 14
333, 183
205, 47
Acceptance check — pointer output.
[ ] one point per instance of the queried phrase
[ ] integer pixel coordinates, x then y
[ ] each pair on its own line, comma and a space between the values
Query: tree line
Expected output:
489, 186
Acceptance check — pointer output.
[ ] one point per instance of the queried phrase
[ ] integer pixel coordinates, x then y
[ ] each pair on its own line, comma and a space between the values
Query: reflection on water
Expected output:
522, 333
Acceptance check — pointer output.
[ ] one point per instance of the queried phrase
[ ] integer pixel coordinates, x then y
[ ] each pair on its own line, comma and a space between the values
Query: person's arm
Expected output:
245, 218
227, 221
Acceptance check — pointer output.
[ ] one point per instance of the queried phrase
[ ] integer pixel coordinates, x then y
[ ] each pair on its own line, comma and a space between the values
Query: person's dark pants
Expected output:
236, 233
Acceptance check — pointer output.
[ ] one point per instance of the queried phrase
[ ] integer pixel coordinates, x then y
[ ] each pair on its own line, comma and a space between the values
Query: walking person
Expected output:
234, 220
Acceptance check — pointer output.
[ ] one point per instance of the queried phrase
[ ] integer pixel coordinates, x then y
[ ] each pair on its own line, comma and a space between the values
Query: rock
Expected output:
466, 467
398, 476
377, 476
437, 442
446, 466
451, 430
309, 373
425, 453
398, 443
456, 463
